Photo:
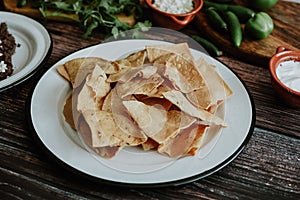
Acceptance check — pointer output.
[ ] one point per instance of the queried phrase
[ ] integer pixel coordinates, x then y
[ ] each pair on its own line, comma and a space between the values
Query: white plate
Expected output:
35, 46
133, 166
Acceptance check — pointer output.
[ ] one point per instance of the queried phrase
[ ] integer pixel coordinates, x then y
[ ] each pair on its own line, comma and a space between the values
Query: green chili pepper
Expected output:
262, 4
243, 13
218, 6
208, 46
234, 28
21, 3
260, 26
216, 20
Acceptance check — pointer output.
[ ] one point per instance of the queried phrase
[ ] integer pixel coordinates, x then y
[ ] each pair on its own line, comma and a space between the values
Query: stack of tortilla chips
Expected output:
158, 98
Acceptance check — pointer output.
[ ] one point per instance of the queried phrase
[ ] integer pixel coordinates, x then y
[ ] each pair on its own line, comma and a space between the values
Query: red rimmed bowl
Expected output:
290, 96
173, 21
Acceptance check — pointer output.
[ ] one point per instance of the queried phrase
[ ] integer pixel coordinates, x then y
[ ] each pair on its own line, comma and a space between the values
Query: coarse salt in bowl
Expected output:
174, 14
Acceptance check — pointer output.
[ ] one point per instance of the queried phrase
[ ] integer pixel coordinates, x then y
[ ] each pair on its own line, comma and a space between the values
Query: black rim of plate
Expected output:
42, 63
145, 185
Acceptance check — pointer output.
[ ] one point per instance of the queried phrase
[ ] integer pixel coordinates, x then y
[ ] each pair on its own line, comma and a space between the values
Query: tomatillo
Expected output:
259, 26
262, 4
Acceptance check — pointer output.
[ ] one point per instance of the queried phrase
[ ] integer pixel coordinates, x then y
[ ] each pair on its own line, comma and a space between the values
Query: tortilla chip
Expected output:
196, 145
92, 95
136, 59
106, 106
105, 132
178, 146
177, 79
200, 98
178, 99
97, 82
176, 121
181, 49
188, 71
68, 112
128, 74
85, 132
150, 119
117, 76
139, 86
219, 90
149, 144
63, 72
107, 152
79, 68
151, 101
122, 117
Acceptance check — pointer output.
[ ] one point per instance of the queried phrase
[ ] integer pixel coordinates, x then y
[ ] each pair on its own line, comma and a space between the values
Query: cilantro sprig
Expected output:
95, 14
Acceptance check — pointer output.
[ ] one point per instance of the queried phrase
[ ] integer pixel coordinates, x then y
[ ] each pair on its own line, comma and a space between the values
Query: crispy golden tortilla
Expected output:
68, 112
77, 69
176, 121
159, 98
178, 99
178, 145
105, 132
123, 119
181, 49
150, 119
133, 60
94, 90
139, 85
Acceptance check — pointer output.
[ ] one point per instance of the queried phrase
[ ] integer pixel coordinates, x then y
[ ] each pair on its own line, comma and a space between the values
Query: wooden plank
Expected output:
267, 168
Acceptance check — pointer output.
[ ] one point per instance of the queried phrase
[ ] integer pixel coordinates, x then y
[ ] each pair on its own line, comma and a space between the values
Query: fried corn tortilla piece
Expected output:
107, 152
178, 145
128, 74
84, 130
176, 121
106, 106
63, 72
200, 98
136, 59
122, 117
150, 119
179, 57
152, 101
118, 75
97, 82
193, 80
218, 87
181, 49
94, 90
68, 112
215, 92
197, 143
149, 144
139, 85
177, 79
178, 99
105, 132
78, 68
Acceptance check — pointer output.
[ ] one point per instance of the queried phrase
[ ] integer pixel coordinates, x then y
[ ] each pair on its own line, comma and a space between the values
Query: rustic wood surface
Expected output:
268, 167
286, 21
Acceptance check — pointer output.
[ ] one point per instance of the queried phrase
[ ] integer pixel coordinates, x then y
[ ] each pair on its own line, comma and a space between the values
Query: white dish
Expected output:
35, 46
133, 166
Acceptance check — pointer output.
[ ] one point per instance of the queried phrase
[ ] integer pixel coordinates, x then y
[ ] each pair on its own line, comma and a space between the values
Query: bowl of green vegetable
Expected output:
173, 14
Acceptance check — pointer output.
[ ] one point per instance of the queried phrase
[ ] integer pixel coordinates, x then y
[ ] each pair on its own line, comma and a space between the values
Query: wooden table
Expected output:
268, 167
